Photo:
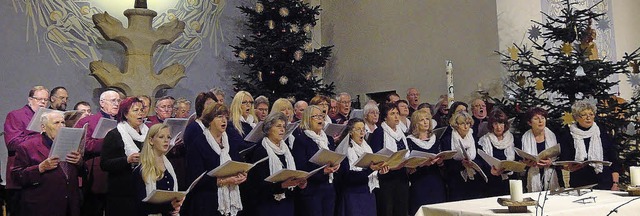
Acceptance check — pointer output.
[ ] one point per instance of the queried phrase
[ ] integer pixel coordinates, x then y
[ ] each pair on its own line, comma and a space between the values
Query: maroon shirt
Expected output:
15, 132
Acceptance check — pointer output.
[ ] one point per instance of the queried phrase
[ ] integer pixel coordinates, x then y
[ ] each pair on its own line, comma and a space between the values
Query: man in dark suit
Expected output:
95, 184
15, 128
49, 184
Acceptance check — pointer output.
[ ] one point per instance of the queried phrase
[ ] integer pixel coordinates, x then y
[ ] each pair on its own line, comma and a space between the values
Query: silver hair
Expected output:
45, 117
580, 106
183, 101
271, 120
298, 104
261, 100
455, 116
105, 93
217, 91
342, 94
369, 108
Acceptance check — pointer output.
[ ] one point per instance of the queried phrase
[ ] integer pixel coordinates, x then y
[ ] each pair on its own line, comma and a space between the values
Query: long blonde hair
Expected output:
150, 171
236, 110
305, 123
415, 118
282, 104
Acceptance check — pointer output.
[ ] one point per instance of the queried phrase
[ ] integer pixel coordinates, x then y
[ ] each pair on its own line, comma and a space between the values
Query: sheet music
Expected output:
104, 126
163, 196
256, 134
230, 168
334, 129
66, 141
357, 113
176, 125
327, 157
35, 123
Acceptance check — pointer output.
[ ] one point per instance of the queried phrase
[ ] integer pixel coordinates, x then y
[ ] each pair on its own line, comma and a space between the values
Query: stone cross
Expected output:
140, 40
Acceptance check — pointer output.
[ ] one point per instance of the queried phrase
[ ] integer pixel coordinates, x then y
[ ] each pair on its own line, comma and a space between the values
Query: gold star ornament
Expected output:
567, 48
539, 84
513, 52
567, 118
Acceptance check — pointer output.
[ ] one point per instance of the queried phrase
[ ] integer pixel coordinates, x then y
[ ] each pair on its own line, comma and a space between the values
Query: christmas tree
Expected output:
565, 68
279, 52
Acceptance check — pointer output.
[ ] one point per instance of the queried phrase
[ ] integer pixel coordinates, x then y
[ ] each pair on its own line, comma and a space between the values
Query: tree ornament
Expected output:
271, 24
284, 12
513, 52
580, 72
634, 66
591, 100
539, 84
631, 129
295, 28
308, 47
567, 48
297, 55
260, 76
534, 32
283, 80
521, 80
242, 55
259, 7
273, 72
307, 28
567, 118
634, 80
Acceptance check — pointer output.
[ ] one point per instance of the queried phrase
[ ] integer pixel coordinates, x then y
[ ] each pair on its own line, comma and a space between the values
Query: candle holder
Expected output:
633, 190
517, 207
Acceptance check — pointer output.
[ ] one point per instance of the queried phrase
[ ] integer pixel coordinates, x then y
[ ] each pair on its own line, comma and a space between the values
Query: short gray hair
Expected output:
261, 100
107, 92
580, 106
453, 121
45, 117
271, 120
299, 103
369, 108
183, 101
217, 91
342, 94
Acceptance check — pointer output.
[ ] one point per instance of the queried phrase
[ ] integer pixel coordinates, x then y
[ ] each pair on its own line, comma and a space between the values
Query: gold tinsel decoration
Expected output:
259, 7
634, 66
567, 48
539, 84
242, 55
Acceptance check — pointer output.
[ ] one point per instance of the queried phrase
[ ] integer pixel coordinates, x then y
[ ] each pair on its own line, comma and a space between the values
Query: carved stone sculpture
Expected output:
140, 41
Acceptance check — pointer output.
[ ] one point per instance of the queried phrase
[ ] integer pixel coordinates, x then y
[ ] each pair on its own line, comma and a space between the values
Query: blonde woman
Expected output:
284, 106
242, 120
155, 172
427, 184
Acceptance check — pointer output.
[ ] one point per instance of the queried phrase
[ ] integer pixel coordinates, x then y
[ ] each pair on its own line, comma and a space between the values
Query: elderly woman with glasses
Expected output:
319, 196
585, 140
371, 115
355, 189
463, 181
393, 194
120, 153
273, 198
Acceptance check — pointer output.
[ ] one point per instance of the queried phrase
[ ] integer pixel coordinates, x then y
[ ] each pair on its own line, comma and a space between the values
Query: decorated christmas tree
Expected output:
566, 67
279, 52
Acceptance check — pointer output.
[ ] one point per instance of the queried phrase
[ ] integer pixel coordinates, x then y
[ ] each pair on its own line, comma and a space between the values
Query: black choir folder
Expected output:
285, 174
229, 168
502, 164
551, 152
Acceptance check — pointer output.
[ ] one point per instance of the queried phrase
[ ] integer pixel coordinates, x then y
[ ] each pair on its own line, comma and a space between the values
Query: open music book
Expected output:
474, 165
36, 120
327, 157
68, 140
230, 168
549, 153
165, 196
103, 127
285, 174
256, 134
333, 130
416, 158
502, 164
587, 162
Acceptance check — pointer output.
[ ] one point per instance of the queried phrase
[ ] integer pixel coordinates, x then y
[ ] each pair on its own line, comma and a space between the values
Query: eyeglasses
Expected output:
263, 110
318, 117
345, 102
247, 102
165, 107
113, 101
585, 115
40, 99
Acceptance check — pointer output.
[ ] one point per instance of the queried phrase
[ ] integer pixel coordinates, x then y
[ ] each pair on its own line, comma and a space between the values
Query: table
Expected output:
562, 204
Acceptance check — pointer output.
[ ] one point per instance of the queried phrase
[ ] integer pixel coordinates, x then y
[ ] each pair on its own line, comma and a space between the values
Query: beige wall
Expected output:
393, 45
626, 21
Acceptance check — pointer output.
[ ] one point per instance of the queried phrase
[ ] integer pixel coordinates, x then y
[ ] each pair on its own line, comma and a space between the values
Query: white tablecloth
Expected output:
563, 204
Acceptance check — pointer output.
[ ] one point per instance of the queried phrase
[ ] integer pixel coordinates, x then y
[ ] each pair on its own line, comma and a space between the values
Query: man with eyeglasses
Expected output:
15, 132
413, 97
344, 108
96, 180
261, 107
164, 109
59, 98
183, 108
479, 110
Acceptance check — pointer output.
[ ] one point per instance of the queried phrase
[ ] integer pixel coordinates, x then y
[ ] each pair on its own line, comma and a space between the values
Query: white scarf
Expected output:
489, 140
275, 164
404, 127
434, 123
469, 144
228, 196
327, 121
529, 145
424, 144
291, 139
353, 153
167, 165
250, 120
129, 134
391, 137
322, 141
595, 144
368, 131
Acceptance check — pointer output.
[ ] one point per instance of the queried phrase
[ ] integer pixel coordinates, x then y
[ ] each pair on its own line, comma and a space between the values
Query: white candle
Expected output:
449, 73
634, 173
515, 186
